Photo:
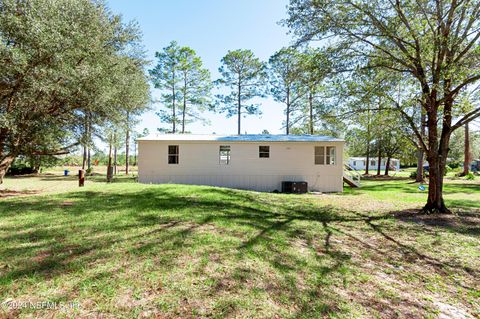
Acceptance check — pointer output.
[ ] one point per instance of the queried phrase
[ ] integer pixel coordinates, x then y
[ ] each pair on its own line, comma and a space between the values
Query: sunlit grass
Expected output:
131, 250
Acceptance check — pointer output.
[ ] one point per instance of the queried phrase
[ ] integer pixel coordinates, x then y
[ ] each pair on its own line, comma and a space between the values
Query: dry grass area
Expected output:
127, 250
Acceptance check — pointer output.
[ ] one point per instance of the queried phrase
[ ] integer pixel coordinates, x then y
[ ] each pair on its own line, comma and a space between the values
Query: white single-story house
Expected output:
256, 162
359, 163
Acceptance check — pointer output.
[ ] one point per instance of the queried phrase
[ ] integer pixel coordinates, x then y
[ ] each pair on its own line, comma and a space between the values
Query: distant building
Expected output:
475, 166
359, 163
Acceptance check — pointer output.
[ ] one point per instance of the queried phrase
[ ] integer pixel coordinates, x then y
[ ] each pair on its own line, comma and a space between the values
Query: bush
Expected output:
20, 169
454, 165
470, 176
413, 175
448, 169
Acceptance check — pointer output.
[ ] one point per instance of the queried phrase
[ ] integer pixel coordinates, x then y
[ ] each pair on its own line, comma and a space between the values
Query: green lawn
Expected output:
174, 251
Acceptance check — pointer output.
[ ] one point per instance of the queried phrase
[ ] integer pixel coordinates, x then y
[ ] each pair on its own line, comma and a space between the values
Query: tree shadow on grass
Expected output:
168, 221
466, 223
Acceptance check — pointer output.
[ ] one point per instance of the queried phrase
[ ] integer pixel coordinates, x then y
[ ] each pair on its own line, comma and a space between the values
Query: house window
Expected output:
354, 163
372, 163
325, 155
173, 154
224, 154
331, 157
319, 155
264, 151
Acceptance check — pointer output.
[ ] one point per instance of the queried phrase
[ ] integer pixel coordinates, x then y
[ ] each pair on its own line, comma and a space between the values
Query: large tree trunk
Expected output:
435, 202
5, 163
367, 160
379, 164
387, 165
109, 166
467, 157
437, 158
420, 156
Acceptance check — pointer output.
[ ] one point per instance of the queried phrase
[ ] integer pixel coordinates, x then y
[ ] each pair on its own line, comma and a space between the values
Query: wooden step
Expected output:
350, 181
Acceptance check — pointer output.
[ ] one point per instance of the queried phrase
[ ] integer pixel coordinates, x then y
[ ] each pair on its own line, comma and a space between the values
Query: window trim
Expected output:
175, 156
323, 157
260, 152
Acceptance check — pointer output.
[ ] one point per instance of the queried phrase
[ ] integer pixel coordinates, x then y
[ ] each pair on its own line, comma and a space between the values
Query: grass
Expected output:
131, 250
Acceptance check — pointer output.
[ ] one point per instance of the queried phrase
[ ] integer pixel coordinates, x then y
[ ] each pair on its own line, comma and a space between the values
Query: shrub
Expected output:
470, 176
448, 169
413, 175
454, 164
20, 169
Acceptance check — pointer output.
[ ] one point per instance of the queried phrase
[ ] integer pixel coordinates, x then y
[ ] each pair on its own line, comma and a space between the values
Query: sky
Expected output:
211, 28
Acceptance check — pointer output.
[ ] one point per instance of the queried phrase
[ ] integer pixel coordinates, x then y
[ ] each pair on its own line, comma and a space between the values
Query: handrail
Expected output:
352, 173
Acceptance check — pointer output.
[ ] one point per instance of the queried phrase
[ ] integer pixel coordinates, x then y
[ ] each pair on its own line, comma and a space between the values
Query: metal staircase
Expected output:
351, 176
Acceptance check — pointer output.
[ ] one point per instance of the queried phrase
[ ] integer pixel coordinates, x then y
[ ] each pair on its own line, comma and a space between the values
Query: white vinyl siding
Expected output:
288, 161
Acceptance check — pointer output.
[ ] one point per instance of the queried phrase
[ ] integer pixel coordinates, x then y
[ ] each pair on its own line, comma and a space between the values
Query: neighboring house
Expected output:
359, 163
256, 162
475, 166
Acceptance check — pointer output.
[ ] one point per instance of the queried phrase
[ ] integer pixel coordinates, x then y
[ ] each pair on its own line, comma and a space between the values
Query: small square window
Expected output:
173, 154
264, 151
224, 154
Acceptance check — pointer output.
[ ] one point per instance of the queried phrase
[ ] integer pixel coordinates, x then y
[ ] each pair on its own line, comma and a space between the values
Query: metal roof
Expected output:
240, 138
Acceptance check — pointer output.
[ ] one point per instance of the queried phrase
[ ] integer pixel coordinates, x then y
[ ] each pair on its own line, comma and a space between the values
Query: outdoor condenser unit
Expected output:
294, 187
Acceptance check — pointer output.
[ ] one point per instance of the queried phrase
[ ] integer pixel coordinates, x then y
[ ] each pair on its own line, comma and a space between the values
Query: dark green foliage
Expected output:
244, 76
184, 84
62, 60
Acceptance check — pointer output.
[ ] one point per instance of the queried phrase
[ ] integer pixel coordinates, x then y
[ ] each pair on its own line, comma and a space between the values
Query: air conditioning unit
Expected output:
294, 187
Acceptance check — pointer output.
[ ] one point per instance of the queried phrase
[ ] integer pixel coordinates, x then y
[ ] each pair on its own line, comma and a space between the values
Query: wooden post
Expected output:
81, 178
109, 167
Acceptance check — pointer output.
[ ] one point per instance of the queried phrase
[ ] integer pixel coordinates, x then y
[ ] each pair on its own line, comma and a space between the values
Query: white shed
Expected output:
256, 162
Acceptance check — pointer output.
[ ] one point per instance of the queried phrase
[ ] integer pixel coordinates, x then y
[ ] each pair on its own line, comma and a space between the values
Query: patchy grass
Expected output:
169, 251
54, 181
